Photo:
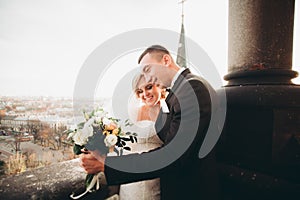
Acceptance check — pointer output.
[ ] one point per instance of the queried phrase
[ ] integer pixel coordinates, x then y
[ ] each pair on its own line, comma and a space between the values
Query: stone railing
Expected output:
55, 181
58, 181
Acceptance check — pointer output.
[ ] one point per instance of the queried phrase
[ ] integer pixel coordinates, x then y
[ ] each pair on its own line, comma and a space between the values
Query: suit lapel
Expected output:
180, 78
177, 83
163, 118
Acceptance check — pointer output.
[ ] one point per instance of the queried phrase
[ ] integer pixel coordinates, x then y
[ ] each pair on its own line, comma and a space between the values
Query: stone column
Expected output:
259, 147
260, 41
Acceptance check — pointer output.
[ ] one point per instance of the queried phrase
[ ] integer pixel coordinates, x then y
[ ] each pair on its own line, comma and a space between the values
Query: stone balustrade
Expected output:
55, 181
59, 180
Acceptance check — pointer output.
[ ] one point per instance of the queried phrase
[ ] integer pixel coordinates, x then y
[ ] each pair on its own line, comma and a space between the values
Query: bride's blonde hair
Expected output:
139, 78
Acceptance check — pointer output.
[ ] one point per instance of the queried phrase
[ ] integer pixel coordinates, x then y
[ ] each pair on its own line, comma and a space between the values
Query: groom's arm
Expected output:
132, 168
121, 169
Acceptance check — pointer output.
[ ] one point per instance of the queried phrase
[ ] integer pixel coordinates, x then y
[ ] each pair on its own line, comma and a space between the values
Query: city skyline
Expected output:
45, 43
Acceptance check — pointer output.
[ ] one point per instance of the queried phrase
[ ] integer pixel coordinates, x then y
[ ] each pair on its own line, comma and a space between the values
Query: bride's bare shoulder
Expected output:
143, 113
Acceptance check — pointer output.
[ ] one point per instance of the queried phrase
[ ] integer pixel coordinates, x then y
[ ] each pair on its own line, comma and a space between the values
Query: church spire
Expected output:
181, 53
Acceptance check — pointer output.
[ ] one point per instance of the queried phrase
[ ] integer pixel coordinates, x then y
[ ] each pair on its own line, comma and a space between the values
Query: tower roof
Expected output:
181, 52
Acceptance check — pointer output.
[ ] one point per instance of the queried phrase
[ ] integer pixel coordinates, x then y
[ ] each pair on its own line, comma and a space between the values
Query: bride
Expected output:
151, 97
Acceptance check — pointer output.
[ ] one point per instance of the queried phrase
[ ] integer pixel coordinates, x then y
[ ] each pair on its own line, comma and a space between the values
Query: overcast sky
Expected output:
44, 43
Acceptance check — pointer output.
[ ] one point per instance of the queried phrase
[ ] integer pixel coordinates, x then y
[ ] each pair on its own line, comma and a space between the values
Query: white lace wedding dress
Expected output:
147, 140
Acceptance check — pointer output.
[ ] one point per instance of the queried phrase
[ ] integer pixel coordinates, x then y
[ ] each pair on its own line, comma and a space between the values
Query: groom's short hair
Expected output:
155, 50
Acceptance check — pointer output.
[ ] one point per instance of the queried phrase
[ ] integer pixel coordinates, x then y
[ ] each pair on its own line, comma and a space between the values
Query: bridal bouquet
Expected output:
103, 133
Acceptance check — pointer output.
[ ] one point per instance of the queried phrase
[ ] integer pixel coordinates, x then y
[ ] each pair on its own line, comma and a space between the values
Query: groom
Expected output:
182, 128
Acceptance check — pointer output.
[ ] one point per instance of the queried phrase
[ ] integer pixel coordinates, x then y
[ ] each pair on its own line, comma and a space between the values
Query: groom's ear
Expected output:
166, 60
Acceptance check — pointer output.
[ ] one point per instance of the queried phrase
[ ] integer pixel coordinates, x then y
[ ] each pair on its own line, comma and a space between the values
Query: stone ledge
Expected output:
56, 181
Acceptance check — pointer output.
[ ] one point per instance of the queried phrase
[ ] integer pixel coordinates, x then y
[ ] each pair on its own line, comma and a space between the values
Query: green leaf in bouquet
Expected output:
119, 144
127, 148
88, 179
128, 123
124, 138
114, 119
100, 109
116, 150
92, 113
77, 149
120, 152
86, 115
69, 131
80, 125
131, 139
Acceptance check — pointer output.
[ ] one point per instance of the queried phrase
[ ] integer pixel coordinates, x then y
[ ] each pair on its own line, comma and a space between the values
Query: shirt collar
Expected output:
176, 76
164, 106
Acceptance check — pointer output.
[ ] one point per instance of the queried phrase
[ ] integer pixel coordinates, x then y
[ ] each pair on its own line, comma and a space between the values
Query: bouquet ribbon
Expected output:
95, 181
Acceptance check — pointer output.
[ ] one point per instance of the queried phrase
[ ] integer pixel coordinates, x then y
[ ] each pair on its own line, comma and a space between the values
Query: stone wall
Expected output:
56, 181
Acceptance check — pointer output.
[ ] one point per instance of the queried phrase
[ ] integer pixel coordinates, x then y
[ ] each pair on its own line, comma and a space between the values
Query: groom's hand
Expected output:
92, 162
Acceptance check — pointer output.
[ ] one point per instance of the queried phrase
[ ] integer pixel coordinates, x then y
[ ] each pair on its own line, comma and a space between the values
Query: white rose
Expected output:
89, 122
99, 114
98, 119
87, 131
110, 140
79, 139
82, 135
106, 121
